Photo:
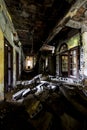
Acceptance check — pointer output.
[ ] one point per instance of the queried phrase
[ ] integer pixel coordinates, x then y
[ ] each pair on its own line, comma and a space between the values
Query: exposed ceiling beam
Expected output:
73, 24
46, 47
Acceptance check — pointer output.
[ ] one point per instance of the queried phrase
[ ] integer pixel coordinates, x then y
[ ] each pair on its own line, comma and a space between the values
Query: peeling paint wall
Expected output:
84, 41
81, 70
1, 66
7, 27
8, 31
83, 53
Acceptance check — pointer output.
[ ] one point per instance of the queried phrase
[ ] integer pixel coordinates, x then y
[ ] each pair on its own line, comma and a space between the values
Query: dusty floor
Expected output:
57, 114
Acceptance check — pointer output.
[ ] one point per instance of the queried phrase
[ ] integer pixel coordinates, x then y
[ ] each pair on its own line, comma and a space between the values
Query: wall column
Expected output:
20, 64
1, 66
84, 46
57, 65
14, 67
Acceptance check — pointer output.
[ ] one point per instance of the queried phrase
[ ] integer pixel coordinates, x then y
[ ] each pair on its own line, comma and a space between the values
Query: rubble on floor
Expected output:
48, 104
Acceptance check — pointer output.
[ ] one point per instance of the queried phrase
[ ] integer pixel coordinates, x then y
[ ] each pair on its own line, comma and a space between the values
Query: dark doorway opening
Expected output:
8, 66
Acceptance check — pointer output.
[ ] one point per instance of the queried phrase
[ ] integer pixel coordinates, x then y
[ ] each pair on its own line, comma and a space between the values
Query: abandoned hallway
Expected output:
43, 64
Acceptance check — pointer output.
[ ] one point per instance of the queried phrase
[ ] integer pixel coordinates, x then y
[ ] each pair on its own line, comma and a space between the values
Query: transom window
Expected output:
63, 47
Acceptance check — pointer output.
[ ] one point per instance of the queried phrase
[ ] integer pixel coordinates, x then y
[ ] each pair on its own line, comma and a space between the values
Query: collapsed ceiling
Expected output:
34, 20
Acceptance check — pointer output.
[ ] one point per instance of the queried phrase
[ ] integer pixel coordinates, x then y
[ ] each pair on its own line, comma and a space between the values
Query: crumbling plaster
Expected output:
83, 53
7, 26
70, 14
84, 42
8, 31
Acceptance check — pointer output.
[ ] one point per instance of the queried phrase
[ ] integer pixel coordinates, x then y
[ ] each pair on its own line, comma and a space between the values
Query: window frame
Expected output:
77, 62
63, 53
63, 73
64, 49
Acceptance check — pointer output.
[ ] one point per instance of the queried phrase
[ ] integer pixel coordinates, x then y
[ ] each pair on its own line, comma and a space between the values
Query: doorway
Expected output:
8, 66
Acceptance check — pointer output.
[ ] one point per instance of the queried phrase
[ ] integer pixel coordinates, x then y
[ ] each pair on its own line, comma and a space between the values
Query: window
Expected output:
69, 63
63, 60
64, 63
73, 62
